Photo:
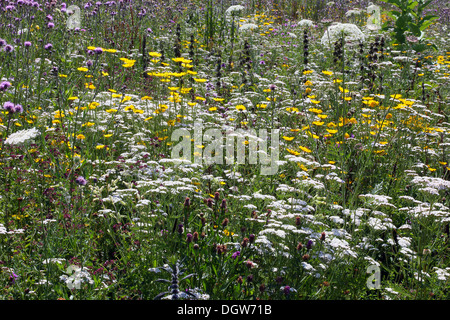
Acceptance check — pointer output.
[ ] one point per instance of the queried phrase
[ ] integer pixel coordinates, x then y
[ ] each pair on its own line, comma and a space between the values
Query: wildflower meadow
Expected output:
224, 150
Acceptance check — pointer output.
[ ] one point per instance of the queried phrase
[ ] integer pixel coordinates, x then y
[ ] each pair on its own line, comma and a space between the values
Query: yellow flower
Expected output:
293, 152
81, 137
83, 69
240, 107
199, 80
155, 54
73, 98
328, 73
100, 146
288, 138
213, 109
305, 149
314, 110
308, 83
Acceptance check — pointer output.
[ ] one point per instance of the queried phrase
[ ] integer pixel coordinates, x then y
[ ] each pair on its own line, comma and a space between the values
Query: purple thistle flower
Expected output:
9, 48
4, 85
50, 25
2, 42
98, 50
18, 108
236, 254
48, 46
81, 181
27, 44
9, 106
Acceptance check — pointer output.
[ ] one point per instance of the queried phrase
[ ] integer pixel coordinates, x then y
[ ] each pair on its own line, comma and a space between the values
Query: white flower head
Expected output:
22, 136
234, 9
350, 32
248, 26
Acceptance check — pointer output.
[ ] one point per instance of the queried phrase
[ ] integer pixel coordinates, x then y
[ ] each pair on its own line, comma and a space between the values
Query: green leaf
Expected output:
412, 5
415, 29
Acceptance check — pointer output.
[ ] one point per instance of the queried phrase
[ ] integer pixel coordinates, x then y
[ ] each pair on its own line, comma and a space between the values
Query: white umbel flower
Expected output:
21, 136
248, 26
233, 9
350, 32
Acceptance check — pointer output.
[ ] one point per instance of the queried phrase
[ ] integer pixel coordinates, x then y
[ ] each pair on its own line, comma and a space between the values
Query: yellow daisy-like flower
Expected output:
327, 73
73, 98
293, 152
288, 138
212, 109
155, 54
305, 149
81, 136
240, 107
82, 69
199, 80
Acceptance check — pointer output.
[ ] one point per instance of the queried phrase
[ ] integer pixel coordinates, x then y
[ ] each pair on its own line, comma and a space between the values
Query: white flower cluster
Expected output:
334, 32
248, 26
233, 9
79, 276
431, 185
305, 23
21, 136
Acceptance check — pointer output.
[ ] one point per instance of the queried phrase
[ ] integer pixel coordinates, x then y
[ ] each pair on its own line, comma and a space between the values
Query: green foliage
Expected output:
409, 18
